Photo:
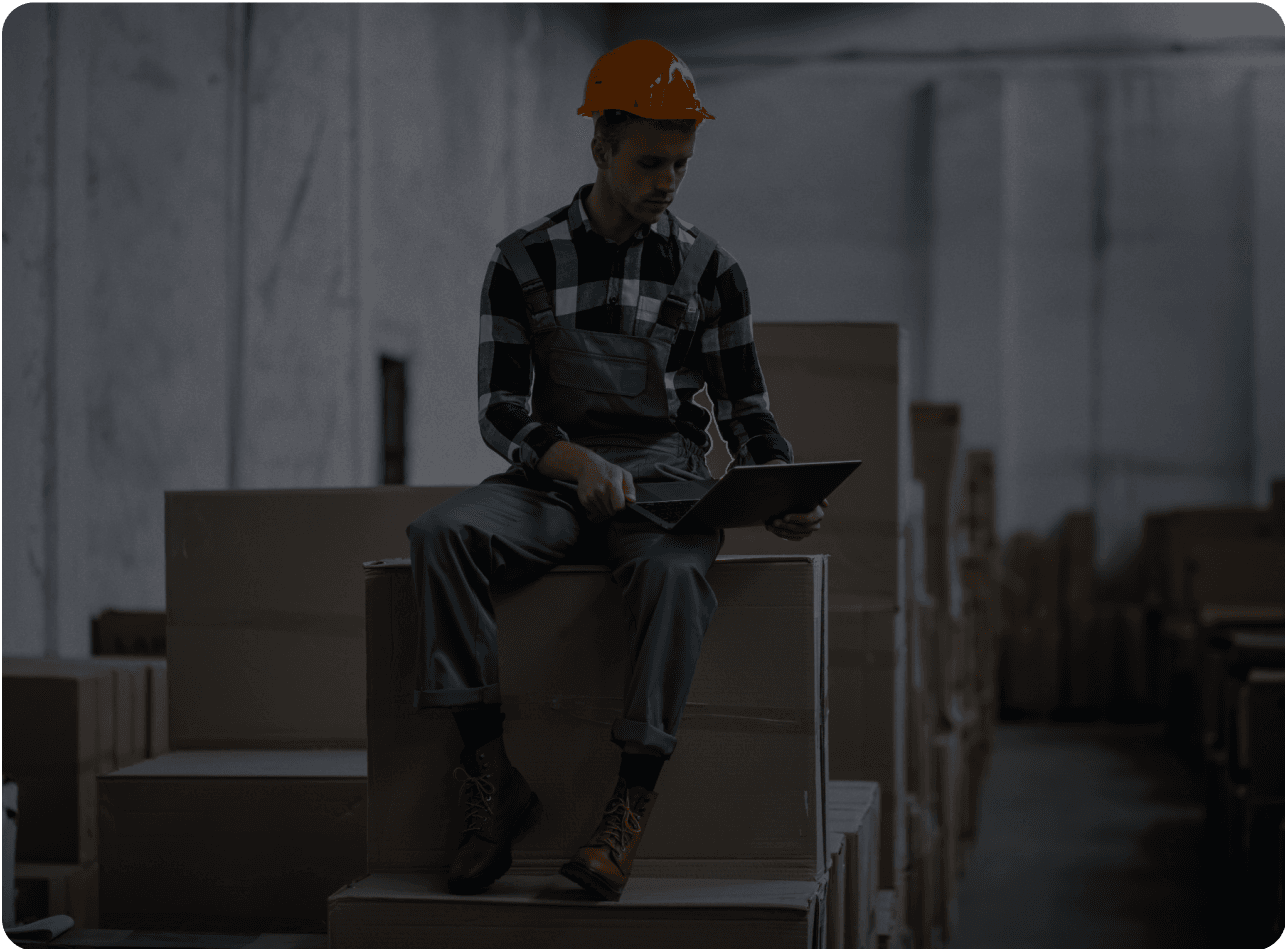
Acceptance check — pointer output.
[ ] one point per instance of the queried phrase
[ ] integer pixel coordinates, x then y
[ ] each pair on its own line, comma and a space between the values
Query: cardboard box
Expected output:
935, 440
265, 601
1170, 536
128, 633
56, 889
59, 732
852, 810
1030, 660
979, 477
837, 364
924, 876
863, 365
1260, 731
947, 749
867, 726
549, 912
1237, 572
151, 723
1133, 659
836, 891
231, 840
743, 794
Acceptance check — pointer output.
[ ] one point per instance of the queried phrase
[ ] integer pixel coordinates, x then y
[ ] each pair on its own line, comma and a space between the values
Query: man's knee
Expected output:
433, 523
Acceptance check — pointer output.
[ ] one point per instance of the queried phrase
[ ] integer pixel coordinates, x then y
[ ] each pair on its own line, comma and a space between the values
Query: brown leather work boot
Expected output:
499, 809
602, 866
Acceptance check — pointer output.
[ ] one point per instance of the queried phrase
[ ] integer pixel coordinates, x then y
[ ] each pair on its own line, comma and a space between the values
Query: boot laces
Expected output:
621, 824
476, 794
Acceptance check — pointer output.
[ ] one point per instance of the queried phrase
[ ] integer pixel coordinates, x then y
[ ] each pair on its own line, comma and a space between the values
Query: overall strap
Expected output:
684, 288
538, 302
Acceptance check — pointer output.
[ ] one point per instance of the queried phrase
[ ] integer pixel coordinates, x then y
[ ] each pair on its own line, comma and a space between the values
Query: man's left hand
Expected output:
796, 526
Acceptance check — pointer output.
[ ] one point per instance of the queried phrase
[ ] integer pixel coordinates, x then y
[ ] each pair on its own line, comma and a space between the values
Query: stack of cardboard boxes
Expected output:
301, 792
258, 812
953, 616
67, 721
1191, 631
840, 391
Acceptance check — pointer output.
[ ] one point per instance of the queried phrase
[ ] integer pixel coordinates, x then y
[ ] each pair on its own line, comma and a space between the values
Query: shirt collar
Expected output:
578, 215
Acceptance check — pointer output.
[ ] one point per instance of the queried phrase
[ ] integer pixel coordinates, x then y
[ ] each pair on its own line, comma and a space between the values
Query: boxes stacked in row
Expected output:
1205, 596
859, 372
1189, 631
66, 721
267, 649
950, 618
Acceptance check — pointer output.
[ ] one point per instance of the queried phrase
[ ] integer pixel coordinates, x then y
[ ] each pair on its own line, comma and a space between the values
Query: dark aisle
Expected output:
1090, 837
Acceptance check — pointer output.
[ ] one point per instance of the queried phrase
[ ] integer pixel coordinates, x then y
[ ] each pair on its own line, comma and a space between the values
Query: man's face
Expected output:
643, 177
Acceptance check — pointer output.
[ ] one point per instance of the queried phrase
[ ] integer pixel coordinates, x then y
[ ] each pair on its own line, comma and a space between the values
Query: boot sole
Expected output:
588, 880
532, 816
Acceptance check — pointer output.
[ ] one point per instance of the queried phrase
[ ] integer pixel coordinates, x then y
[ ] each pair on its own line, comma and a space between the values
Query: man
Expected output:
600, 322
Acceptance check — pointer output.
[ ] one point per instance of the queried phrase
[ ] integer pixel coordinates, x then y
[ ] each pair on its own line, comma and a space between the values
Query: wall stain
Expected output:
151, 73
296, 205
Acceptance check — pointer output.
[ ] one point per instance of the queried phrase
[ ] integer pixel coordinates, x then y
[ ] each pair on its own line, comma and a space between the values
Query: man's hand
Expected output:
603, 488
796, 526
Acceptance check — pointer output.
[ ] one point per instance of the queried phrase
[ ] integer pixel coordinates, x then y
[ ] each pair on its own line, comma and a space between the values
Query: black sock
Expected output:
640, 771
479, 724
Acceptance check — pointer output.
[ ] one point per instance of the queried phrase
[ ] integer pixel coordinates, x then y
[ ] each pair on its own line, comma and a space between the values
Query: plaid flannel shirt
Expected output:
599, 283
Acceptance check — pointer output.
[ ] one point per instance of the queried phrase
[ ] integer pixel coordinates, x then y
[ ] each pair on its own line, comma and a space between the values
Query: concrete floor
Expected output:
1089, 837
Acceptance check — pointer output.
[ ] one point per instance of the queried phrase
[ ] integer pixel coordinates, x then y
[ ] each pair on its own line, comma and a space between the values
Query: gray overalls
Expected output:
515, 526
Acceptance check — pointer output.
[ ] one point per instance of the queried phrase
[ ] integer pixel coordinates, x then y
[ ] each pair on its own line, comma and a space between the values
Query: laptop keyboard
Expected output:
670, 511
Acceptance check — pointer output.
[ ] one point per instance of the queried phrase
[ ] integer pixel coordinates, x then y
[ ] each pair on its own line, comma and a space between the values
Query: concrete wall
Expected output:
217, 218
1069, 208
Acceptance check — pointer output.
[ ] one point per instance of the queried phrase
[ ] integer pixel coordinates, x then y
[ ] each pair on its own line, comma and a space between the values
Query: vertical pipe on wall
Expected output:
1101, 237
1245, 259
49, 476
919, 226
237, 157
360, 357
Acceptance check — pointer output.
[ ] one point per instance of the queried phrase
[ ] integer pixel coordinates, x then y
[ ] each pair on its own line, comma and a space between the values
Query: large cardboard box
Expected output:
743, 795
1030, 658
59, 732
853, 812
264, 597
864, 367
1169, 537
56, 889
1236, 572
855, 368
231, 840
388, 909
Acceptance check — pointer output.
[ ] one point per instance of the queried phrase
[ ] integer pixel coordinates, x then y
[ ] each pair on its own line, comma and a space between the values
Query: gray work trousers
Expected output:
514, 527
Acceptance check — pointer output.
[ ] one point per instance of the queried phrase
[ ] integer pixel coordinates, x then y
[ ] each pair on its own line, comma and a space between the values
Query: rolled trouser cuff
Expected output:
623, 730
446, 698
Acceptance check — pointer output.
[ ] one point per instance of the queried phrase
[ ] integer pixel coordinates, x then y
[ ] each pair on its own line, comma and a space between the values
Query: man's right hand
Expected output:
603, 488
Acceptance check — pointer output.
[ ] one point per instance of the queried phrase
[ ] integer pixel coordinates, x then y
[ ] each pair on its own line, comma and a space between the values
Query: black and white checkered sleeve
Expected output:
505, 372
732, 373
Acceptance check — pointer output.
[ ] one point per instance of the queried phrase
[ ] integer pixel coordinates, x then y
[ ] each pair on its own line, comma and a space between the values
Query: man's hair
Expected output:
613, 123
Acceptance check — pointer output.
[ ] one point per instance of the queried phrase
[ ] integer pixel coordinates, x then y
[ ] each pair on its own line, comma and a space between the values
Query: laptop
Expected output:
746, 496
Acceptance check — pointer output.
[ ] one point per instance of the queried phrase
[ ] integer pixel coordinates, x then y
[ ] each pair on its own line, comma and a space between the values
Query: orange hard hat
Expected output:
644, 78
